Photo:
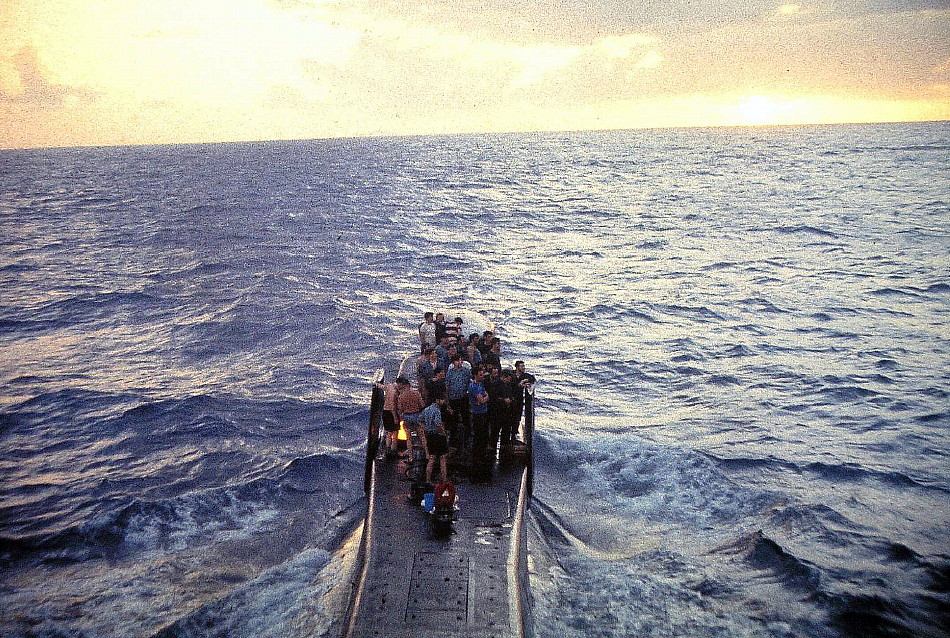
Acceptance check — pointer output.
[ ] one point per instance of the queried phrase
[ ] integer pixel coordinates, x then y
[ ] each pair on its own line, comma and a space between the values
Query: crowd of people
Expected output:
464, 402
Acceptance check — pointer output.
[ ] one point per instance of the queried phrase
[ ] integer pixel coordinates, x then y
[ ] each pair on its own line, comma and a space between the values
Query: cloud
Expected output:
419, 67
31, 86
34, 89
898, 6
577, 21
263, 69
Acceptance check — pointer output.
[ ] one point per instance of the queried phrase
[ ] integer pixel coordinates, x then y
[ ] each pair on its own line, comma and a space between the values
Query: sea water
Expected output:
741, 339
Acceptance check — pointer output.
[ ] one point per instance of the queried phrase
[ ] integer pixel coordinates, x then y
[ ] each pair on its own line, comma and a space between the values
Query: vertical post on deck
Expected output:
372, 432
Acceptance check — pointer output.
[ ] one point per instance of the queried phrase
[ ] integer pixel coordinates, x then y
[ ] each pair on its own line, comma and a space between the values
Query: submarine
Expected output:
452, 563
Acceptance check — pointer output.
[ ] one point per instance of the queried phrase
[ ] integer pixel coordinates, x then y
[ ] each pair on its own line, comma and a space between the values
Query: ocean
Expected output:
740, 335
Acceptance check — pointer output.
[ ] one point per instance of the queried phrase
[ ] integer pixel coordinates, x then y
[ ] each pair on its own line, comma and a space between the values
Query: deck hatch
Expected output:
438, 589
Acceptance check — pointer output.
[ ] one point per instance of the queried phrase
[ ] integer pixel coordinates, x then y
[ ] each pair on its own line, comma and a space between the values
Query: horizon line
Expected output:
763, 126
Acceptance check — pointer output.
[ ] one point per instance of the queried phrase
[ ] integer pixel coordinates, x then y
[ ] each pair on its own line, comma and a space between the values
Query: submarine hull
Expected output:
471, 581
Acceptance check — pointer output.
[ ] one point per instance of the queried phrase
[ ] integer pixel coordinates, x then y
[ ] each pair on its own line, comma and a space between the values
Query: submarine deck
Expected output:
470, 583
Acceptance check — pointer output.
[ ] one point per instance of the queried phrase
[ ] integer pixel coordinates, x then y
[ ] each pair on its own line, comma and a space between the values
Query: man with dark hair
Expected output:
478, 402
493, 356
484, 344
433, 437
409, 405
457, 379
472, 354
521, 382
390, 421
427, 332
429, 374
442, 351
499, 408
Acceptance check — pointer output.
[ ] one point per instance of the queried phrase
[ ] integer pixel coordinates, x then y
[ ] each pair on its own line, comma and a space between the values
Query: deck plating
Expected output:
472, 582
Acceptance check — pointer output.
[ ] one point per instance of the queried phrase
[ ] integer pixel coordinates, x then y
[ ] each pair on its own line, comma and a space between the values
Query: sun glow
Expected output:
771, 110
74, 72
757, 110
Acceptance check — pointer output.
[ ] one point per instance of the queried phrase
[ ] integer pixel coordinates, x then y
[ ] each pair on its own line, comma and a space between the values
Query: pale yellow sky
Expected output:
94, 72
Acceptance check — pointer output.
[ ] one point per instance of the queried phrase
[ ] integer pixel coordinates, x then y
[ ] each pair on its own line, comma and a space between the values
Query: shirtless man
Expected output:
390, 420
409, 406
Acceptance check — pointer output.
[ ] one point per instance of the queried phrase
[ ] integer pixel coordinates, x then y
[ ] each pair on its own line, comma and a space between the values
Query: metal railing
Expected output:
374, 429
529, 434
375, 425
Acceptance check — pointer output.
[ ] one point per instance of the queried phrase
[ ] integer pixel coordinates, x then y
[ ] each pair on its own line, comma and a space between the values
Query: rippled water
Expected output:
741, 335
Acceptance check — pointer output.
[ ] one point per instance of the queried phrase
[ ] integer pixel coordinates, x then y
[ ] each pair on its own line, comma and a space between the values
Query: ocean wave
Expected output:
661, 483
802, 229
861, 615
762, 305
194, 517
862, 607
83, 407
738, 350
852, 472
894, 292
285, 600
941, 288
694, 313
772, 561
845, 393
88, 307
720, 265
19, 268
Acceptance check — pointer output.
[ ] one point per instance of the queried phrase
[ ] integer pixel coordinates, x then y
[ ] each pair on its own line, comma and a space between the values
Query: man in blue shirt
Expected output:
478, 401
433, 435
458, 420
442, 352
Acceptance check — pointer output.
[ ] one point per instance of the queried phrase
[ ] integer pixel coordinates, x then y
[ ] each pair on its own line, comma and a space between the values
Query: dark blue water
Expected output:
741, 337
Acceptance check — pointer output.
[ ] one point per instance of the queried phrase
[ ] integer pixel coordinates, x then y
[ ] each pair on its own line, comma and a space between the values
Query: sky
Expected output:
106, 72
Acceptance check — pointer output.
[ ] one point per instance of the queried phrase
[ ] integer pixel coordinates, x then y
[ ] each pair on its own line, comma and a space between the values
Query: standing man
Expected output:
390, 421
439, 327
493, 355
442, 351
478, 402
433, 437
457, 380
522, 382
484, 344
427, 332
502, 425
429, 374
499, 407
409, 406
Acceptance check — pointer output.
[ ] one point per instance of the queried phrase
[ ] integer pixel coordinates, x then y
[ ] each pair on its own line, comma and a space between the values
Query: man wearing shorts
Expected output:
434, 439
390, 422
409, 406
